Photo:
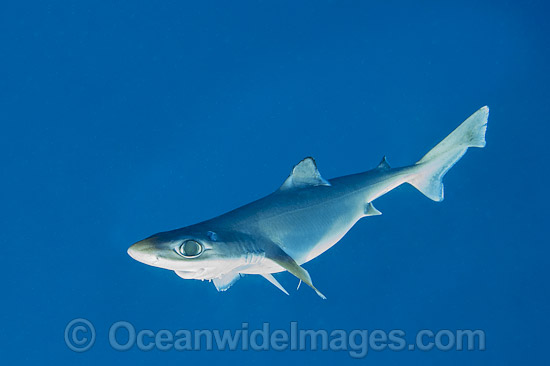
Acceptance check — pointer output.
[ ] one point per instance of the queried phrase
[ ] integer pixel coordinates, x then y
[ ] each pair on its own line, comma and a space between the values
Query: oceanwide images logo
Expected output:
80, 336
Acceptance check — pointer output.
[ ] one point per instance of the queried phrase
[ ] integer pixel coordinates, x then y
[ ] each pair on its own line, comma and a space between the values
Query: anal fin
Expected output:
370, 210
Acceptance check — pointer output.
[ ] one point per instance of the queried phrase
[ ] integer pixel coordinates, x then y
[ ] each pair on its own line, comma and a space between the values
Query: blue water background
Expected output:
123, 119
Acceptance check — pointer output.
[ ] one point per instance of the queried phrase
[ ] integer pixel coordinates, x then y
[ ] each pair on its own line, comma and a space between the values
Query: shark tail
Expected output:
436, 163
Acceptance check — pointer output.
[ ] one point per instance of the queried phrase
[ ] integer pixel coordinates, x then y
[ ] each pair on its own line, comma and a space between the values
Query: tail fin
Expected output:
433, 166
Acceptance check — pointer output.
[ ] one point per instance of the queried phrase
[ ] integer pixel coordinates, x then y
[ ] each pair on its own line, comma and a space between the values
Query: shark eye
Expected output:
191, 249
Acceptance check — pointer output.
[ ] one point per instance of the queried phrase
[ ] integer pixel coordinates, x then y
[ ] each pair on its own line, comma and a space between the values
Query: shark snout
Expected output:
144, 251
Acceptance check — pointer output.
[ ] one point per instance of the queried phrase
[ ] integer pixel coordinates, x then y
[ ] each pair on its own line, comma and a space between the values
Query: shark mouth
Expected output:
188, 275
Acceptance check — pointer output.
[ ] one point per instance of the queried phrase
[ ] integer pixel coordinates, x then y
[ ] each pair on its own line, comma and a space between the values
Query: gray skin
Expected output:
302, 219
308, 221
304, 222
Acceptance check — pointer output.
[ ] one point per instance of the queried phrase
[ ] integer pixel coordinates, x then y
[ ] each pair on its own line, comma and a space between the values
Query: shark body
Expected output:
301, 220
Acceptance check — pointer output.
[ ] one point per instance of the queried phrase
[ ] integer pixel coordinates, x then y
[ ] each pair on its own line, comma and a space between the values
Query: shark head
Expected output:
192, 254
221, 257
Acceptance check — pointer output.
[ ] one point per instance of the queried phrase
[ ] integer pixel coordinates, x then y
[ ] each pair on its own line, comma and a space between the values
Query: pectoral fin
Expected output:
273, 280
279, 256
225, 281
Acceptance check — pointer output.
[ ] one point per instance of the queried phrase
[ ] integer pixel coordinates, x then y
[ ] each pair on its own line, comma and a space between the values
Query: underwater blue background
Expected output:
123, 119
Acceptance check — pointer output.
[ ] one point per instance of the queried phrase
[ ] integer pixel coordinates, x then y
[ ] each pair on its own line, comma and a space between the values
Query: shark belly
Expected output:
311, 226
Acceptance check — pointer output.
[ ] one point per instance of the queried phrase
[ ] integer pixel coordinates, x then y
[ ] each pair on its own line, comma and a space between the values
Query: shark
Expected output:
301, 220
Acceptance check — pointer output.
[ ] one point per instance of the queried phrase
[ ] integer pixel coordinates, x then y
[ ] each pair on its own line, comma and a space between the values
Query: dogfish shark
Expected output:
302, 219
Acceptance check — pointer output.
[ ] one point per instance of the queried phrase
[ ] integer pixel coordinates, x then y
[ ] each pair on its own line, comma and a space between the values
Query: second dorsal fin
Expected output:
383, 165
304, 174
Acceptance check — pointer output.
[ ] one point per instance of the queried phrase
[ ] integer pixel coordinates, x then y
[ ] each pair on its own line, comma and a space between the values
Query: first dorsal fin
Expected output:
304, 174
384, 164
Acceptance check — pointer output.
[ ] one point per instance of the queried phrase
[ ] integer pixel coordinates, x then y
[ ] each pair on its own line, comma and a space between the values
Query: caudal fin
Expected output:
433, 166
